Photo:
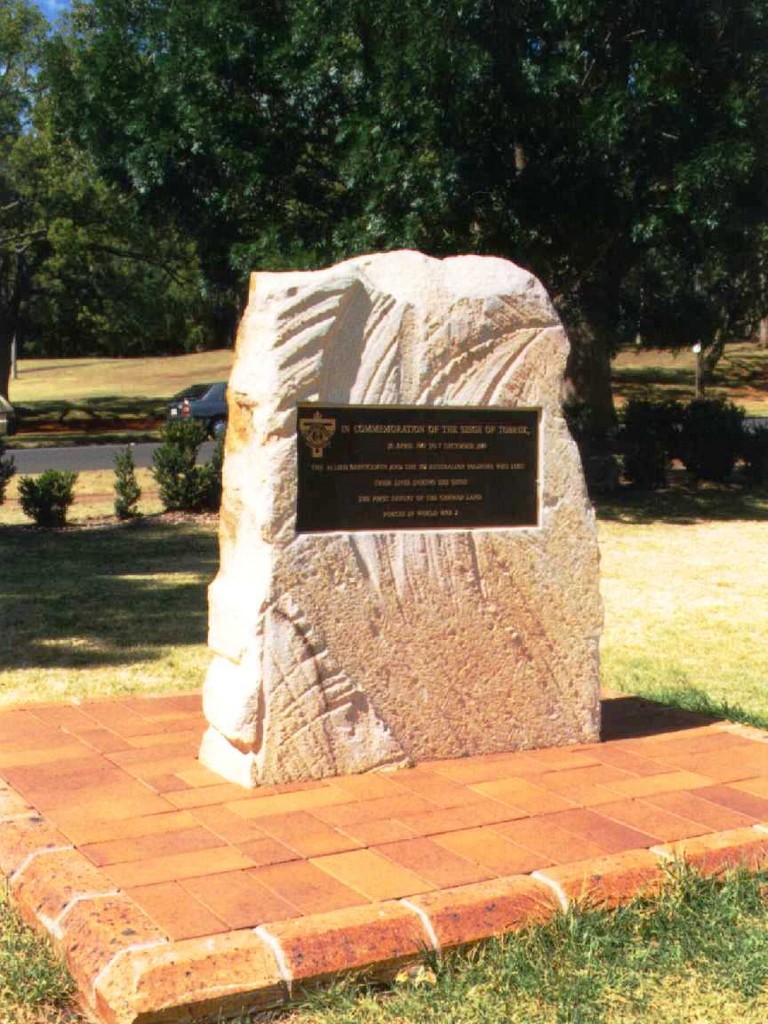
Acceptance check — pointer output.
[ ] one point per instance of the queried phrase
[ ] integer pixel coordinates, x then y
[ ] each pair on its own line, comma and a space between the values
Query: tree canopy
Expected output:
82, 271
617, 149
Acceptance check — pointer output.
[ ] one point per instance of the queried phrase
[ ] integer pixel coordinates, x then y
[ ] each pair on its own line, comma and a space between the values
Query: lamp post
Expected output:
699, 380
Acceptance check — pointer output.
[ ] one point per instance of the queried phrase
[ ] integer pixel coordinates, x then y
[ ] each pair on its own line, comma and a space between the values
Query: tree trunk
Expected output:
6, 339
588, 371
763, 338
712, 353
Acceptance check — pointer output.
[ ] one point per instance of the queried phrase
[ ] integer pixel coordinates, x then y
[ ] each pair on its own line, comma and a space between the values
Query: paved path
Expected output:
86, 457
167, 887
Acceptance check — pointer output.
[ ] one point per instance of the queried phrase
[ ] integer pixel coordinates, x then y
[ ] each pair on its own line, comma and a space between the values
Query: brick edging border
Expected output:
129, 972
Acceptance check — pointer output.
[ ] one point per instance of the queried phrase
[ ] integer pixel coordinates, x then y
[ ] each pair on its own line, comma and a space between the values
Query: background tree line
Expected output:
157, 152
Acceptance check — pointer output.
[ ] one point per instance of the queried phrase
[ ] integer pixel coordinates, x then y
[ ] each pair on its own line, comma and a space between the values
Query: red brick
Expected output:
146, 847
474, 912
369, 785
491, 850
225, 823
440, 791
434, 863
96, 931
239, 899
610, 836
474, 815
14, 806
472, 770
49, 884
306, 834
608, 881
84, 832
213, 977
287, 802
371, 833
736, 800
176, 911
205, 796
554, 844
307, 887
614, 754
715, 853
374, 810
372, 875
266, 851
651, 820
175, 866
378, 938
524, 796
25, 837
575, 779
709, 815
663, 783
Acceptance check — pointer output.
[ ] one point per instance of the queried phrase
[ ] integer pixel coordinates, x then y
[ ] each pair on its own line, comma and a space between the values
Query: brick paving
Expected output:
166, 887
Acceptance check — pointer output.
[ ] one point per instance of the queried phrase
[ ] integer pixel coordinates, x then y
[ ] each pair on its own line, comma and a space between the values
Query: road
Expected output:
85, 457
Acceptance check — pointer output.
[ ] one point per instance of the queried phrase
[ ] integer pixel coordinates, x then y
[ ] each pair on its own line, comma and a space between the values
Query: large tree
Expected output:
22, 237
81, 272
616, 147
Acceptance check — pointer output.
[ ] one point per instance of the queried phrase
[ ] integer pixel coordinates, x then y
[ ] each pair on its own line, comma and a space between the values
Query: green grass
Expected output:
34, 986
741, 375
105, 610
684, 596
79, 401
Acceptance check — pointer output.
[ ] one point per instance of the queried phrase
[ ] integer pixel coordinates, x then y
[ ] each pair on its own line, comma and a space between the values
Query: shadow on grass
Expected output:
654, 375
108, 407
628, 717
684, 505
105, 596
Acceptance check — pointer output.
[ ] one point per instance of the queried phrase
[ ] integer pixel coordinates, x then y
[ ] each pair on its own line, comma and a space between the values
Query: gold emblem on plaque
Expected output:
317, 431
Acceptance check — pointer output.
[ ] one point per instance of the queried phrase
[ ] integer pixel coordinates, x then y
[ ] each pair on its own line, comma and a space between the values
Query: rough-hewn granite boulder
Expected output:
343, 652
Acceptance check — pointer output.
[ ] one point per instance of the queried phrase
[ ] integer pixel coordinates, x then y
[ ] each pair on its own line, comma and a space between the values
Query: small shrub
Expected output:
711, 437
649, 440
7, 469
213, 472
127, 490
184, 485
47, 497
596, 448
754, 451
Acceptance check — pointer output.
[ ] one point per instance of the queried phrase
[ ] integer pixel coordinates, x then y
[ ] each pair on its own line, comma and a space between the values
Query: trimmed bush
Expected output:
7, 469
46, 498
754, 451
127, 490
596, 448
649, 439
711, 438
184, 485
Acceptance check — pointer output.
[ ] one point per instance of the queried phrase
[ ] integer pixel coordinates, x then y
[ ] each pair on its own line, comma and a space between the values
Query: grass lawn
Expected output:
741, 375
104, 610
85, 400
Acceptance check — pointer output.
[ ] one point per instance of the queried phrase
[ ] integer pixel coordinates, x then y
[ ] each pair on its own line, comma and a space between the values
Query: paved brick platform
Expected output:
166, 888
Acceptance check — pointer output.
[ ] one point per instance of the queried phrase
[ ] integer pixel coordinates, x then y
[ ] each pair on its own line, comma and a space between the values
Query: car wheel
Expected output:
218, 427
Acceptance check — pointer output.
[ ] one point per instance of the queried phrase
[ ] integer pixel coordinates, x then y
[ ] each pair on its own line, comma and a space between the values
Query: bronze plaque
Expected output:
380, 468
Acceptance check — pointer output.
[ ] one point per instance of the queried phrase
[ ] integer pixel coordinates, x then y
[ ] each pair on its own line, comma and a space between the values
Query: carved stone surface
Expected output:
343, 652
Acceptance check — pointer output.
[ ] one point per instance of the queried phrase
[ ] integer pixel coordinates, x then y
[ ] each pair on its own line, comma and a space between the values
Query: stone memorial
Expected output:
409, 563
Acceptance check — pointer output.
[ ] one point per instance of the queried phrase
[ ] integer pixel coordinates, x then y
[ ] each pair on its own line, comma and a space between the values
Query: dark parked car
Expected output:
205, 402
